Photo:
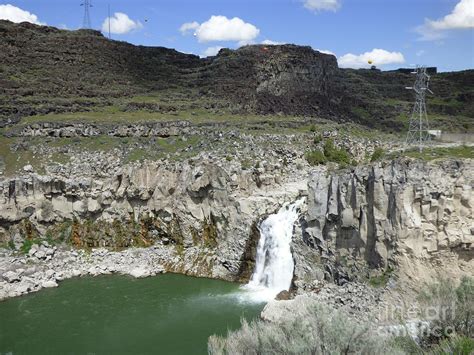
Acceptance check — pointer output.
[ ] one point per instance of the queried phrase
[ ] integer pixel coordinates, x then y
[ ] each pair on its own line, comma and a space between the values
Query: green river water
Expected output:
166, 314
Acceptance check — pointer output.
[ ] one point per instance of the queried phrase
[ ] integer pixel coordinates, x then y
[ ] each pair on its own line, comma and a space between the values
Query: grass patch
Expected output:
456, 345
27, 244
13, 161
361, 112
381, 280
115, 115
428, 154
378, 154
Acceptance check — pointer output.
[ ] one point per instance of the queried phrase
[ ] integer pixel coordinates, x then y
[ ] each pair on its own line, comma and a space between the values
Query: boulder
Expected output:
11, 276
50, 284
139, 273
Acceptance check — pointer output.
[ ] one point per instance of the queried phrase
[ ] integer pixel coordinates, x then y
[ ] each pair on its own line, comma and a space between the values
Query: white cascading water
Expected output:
274, 263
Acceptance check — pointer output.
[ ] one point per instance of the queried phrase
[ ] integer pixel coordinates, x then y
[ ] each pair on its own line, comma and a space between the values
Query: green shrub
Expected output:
465, 307
27, 244
407, 345
455, 345
315, 157
340, 156
246, 164
455, 306
335, 155
311, 329
328, 147
330, 154
377, 155
318, 139
382, 279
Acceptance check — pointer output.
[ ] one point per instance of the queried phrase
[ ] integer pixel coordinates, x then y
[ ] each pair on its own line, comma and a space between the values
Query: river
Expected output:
166, 314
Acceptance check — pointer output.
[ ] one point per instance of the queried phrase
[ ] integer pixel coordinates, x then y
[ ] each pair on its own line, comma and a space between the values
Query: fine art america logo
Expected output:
418, 322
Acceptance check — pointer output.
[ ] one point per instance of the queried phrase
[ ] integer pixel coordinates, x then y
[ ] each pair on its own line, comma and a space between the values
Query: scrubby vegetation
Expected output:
382, 279
316, 329
316, 157
438, 153
451, 313
330, 153
455, 345
455, 306
377, 154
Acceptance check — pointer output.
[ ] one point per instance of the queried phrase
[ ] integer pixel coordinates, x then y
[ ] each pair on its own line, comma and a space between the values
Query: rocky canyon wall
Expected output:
408, 215
405, 215
206, 213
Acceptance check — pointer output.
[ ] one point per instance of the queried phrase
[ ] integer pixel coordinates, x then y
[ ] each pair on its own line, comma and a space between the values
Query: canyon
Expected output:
268, 167
404, 215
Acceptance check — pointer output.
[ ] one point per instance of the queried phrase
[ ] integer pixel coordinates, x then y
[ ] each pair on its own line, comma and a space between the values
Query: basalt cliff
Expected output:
403, 215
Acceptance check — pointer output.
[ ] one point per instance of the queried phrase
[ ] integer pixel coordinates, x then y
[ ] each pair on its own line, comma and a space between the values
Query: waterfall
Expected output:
274, 263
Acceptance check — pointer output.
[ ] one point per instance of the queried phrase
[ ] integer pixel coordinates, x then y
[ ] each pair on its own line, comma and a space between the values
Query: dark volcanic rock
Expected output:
285, 79
46, 70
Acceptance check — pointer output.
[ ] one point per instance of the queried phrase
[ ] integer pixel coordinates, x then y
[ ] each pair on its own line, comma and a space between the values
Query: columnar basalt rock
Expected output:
391, 214
411, 216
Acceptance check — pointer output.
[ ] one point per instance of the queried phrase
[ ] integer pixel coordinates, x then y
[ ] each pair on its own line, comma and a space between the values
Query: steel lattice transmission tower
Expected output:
418, 131
87, 18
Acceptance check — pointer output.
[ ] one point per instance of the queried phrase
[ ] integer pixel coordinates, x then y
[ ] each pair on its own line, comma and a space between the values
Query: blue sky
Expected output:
431, 32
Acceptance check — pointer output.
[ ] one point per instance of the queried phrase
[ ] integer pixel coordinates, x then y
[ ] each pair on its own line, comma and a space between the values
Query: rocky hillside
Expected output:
46, 70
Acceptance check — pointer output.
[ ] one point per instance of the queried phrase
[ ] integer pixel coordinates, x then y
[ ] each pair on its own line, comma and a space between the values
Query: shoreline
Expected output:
28, 273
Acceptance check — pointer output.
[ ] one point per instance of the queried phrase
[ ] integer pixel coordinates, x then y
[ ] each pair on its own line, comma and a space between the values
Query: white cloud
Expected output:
189, 26
269, 42
211, 51
322, 5
325, 51
120, 24
377, 56
17, 15
221, 28
420, 53
462, 17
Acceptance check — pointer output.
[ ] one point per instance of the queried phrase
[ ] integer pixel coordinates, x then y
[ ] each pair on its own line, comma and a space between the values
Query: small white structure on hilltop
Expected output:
435, 133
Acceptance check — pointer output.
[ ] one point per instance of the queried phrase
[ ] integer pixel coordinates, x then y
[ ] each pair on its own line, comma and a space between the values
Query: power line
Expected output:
86, 23
418, 130
109, 22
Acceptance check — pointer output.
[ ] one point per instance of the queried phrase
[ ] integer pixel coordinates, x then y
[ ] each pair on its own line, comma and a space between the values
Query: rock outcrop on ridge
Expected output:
45, 70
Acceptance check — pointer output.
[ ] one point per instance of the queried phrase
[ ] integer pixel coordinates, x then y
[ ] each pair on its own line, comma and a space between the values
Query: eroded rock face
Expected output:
405, 213
204, 212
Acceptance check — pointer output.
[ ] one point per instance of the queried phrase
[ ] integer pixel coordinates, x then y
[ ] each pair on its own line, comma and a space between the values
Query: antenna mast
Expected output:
418, 131
109, 23
87, 19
